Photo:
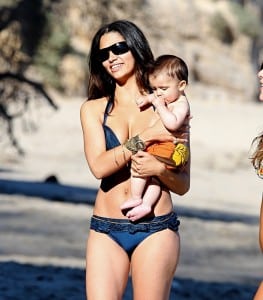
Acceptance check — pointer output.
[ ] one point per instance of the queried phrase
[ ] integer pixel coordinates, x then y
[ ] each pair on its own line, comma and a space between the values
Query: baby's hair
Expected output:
173, 65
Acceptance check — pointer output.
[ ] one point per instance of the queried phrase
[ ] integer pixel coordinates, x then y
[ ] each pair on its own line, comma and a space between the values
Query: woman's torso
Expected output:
123, 122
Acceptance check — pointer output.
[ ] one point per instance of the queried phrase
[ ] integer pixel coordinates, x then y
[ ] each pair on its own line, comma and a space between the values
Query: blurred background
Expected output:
44, 46
46, 189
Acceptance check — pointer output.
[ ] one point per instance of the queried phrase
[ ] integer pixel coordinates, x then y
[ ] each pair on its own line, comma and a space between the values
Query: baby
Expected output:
168, 79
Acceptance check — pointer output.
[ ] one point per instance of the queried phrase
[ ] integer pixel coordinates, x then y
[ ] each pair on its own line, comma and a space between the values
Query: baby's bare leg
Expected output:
137, 188
150, 197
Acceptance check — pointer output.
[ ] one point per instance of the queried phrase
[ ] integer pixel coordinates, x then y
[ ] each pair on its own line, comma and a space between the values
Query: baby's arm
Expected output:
145, 100
173, 115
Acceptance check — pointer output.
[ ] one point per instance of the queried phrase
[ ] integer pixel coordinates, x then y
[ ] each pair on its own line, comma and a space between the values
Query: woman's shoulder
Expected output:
93, 105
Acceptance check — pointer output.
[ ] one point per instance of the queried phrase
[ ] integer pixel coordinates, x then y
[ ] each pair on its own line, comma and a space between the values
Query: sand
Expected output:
42, 252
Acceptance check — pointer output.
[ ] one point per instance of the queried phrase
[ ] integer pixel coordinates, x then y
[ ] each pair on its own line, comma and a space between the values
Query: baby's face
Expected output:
165, 86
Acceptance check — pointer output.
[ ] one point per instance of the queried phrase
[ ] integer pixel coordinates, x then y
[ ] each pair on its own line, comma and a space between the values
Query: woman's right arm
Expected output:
102, 163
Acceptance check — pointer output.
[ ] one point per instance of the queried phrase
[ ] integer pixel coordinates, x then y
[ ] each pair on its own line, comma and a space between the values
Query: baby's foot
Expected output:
130, 203
138, 212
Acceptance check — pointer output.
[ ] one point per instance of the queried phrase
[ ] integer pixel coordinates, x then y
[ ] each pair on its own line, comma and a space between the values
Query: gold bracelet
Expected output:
114, 151
124, 156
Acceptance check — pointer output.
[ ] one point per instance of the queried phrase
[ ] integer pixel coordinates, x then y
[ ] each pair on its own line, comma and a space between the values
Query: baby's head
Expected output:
168, 77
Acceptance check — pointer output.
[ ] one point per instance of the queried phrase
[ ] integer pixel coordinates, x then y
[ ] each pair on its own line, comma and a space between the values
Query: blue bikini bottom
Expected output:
130, 234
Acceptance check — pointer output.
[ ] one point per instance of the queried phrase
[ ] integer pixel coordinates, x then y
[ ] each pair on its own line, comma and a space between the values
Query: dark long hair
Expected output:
100, 83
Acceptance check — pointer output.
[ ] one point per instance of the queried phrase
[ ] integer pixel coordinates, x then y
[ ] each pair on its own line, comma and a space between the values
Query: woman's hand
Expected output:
144, 164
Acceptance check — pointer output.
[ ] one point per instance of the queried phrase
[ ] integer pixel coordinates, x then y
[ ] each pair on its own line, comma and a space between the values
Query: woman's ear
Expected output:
182, 85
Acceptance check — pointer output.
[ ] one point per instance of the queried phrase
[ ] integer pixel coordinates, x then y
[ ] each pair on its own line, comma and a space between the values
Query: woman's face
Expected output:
118, 61
260, 76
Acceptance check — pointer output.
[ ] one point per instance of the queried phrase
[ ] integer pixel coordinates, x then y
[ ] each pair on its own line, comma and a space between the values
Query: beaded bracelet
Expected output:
135, 144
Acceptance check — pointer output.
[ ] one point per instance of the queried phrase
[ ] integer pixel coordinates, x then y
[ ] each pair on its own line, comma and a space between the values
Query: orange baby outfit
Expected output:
169, 153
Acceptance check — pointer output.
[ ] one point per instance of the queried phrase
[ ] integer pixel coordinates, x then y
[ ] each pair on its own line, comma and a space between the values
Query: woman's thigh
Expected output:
107, 268
153, 265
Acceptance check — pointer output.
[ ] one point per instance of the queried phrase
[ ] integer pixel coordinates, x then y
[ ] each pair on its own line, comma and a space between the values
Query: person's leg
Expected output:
259, 293
153, 265
137, 188
107, 268
150, 197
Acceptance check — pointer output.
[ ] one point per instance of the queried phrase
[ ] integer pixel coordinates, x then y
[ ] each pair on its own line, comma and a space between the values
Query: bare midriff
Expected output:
108, 203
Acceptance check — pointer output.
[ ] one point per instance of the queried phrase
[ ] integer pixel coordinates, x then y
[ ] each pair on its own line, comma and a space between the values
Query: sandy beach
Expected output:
44, 225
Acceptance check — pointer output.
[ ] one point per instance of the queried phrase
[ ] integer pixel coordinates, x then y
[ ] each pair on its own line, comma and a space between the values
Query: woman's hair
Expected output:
173, 65
257, 155
100, 83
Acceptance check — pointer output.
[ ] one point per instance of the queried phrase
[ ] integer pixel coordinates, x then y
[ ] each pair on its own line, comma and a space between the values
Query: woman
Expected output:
114, 132
257, 161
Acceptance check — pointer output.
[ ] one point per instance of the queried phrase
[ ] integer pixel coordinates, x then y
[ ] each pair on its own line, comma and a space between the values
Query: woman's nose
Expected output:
112, 56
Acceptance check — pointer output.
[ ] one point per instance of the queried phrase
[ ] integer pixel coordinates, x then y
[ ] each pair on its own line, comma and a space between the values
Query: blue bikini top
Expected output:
110, 137
112, 141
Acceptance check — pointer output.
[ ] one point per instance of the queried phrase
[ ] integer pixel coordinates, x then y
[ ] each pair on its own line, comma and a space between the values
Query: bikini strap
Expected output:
106, 112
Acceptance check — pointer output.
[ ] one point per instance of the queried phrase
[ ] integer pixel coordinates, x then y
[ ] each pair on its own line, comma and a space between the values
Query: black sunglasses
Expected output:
117, 49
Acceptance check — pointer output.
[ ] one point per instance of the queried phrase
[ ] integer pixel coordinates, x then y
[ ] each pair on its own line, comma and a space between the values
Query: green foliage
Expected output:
249, 22
221, 29
54, 44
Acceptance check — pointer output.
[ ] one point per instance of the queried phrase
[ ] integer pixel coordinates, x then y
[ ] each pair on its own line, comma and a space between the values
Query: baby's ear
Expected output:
182, 85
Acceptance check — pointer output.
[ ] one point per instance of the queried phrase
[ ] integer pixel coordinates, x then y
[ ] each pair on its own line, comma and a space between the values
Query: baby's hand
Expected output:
158, 101
144, 100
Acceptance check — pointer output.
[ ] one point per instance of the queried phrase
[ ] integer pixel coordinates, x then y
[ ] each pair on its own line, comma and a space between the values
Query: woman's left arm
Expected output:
176, 182
145, 165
